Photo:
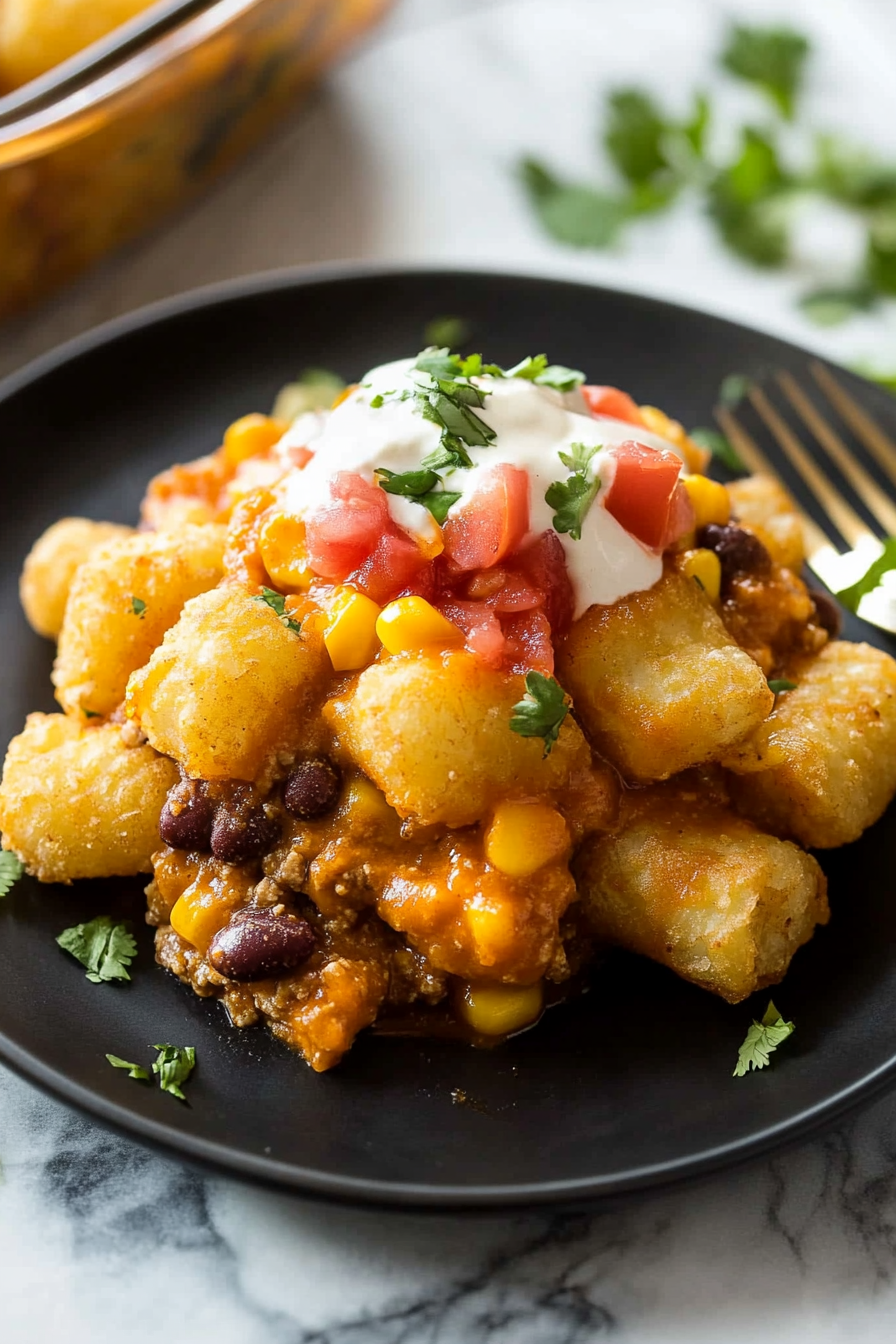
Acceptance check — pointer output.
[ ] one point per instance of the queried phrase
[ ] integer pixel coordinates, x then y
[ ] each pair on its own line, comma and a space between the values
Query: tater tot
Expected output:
76, 802
51, 566
36, 35
765, 506
122, 600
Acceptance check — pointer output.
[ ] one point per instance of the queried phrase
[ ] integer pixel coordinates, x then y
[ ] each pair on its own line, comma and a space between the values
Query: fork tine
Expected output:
752, 455
867, 489
833, 505
866, 429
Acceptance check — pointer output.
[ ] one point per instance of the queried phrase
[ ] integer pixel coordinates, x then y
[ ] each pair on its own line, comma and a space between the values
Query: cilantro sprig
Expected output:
541, 711
134, 1070
423, 487
762, 1039
174, 1065
573, 497
104, 947
720, 447
277, 603
778, 685
773, 59
852, 596
11, 869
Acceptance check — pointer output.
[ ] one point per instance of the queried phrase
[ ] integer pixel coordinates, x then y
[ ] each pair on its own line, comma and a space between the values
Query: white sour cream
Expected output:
533, 425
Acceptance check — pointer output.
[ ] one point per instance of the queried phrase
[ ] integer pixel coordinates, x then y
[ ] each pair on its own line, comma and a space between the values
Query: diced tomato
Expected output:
342, 534
481, 627
682, 518
543, 561
640, 495
611, 401
493, 522
529, 645
299, 457
392, 566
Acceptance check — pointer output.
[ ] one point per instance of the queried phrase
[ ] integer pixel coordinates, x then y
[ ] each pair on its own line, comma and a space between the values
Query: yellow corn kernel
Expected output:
660, 423
498, 1010
411, 623
198, 914
524, 837
704, 567
367, 812
710, 499
251, 436
351, 638
281, 544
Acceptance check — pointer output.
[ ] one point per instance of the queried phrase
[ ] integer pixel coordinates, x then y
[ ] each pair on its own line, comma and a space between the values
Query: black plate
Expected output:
629, 1087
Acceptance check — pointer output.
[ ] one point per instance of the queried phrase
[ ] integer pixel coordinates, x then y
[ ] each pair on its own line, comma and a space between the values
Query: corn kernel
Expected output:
704, 567
710, 500
198, 914
251, 436
498, 1010
281, 544
524, 837
367, 811
351, 638
411, 623
659, 422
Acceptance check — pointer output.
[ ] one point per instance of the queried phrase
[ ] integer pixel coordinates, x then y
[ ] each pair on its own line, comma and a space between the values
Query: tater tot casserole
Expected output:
415, 700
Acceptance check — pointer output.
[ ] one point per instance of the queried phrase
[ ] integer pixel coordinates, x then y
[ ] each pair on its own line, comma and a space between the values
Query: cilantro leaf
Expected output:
421, 487
541, 711
852, 596
314, 390
733, 388
377, 401
828, 307
746, 201
138, 607
761, 1040
571, 213
879, 376
573, 497
450, 331
11, 869
781, 684
771, 58
105, 948
277, 603
634, 133
719, 446
174, 1065
134, 1070
880, 257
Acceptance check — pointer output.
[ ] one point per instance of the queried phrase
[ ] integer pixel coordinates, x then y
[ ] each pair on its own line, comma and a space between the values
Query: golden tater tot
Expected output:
51, 565
36, 35
76, 802
765, 506
657, 681
122, 600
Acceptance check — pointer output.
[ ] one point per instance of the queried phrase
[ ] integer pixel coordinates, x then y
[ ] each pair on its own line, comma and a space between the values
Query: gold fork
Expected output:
841, 550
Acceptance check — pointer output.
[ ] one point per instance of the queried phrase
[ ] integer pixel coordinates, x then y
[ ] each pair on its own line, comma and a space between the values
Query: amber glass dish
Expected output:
131, 139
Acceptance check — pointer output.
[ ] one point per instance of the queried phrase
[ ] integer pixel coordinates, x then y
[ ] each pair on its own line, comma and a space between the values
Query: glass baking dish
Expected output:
99, 149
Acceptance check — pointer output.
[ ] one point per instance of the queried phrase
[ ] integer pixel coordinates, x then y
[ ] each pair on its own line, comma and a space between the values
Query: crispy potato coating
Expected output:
51, 565
122, 600
765, 506
693, 886
229, 688
823, 767
36, 35
657, 681
433, 733
76, 802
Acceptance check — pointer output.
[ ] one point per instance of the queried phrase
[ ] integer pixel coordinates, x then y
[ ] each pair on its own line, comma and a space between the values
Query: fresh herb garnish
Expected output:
541, 711
828, 307
138, 607
134, 1070
452, 332
577, 215
852, 596
314, 390
174, 1065
423, 487
11, 869
781, 684
573, 497
771, 58
746, 201
761, 1040
277, 603
105, 948
90, 713
719, 446
733, 388
536, 369
444, 395
377, 401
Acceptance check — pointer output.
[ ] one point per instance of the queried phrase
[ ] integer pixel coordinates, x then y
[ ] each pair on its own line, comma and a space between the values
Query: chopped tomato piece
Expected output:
481, 627
682, 518
529, 645
641, 492
492, 523
543, 561
394, 563
341, 535
611, 401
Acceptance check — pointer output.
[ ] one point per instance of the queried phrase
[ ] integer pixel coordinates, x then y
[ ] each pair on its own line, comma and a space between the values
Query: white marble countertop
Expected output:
101, 1240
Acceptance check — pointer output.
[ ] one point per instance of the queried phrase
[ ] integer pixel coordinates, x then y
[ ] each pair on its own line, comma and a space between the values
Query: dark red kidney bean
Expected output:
312, 788
827, 612
257, 944
188, 815
242, 830
739, 551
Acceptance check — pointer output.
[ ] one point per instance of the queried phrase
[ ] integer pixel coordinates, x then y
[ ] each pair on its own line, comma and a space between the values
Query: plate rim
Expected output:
238, 1162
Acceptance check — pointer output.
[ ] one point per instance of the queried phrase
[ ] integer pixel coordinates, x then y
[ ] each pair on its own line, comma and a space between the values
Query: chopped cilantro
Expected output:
174, 1065
105, 948
573, 497
134, 1070
541, 711
719, 446
747, 201
761, 1040
574, 214
734, 388
879, 376
450, 331
377, 401
771, 58
536, 369
634, 134
852, 596
138, 607
423, 487
314, 390
277, 603
90, 713
11, 869
828, 307
781, 684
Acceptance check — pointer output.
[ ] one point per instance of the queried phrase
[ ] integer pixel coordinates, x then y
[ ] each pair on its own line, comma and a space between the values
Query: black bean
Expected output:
827, 612
258, 944
187, 817
312, 788
242, 829
739, 551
